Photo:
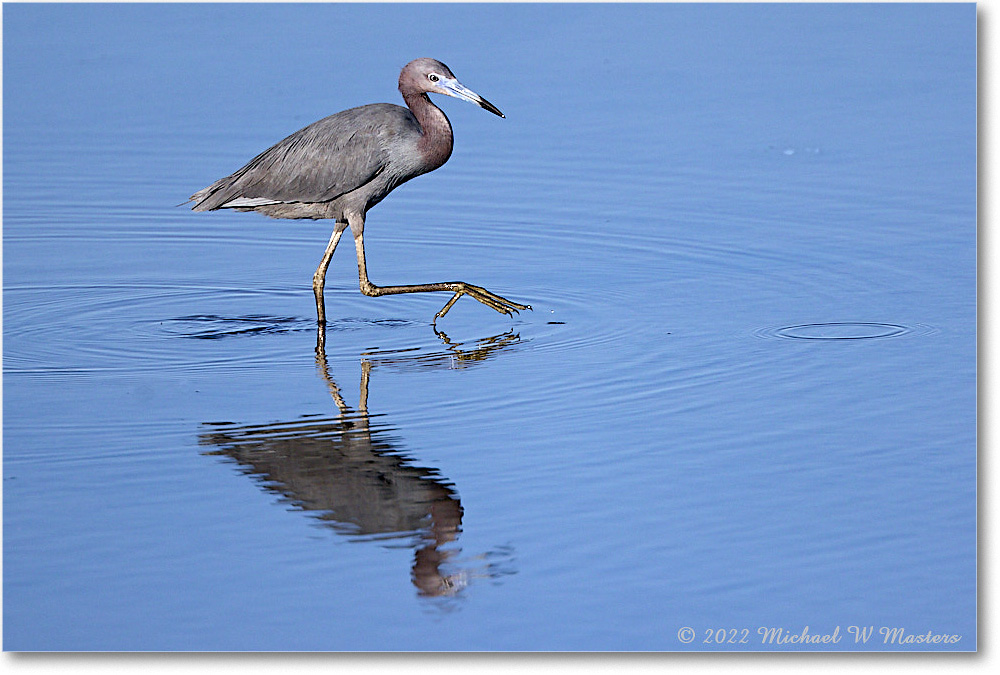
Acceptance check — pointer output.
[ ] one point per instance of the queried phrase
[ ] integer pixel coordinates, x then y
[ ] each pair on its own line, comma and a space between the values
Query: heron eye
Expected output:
433, 77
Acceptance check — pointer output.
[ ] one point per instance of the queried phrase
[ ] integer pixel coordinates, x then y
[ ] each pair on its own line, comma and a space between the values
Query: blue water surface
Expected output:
741, 415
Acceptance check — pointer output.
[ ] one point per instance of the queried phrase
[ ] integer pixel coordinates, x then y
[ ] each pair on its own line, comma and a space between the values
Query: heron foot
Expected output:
492, 300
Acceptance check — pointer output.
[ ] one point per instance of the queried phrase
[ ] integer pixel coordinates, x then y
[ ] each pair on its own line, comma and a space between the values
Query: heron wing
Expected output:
319, 163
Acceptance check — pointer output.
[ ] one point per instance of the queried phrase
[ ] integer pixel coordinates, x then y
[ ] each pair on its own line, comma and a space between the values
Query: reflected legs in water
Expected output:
445, 510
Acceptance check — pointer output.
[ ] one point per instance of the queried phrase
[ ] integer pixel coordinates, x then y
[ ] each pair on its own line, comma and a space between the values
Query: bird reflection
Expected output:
349, 472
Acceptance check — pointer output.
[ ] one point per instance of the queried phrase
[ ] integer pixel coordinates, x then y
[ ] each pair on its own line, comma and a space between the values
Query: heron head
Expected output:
432, 76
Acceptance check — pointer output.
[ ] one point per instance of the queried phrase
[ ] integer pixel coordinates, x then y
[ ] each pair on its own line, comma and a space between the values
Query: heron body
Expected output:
343, 165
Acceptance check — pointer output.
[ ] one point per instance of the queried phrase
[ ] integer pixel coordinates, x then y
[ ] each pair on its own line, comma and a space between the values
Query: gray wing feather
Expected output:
319, 163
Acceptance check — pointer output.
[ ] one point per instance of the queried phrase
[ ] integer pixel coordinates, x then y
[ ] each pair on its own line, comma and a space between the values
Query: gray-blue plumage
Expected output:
344, 164
324, 161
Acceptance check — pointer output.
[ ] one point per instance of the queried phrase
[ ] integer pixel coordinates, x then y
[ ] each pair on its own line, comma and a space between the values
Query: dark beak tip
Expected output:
486, 105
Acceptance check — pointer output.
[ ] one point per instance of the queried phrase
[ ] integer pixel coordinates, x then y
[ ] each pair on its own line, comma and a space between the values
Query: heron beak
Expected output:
458, 90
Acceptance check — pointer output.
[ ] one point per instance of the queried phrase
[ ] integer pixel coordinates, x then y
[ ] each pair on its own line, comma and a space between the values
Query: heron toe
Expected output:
492, 300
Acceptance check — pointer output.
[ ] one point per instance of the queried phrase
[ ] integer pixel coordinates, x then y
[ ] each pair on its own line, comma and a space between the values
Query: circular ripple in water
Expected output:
846, 330
214, 327
56, 331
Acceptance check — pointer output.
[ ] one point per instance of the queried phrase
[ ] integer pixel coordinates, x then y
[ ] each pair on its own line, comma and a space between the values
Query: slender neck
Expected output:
436, 141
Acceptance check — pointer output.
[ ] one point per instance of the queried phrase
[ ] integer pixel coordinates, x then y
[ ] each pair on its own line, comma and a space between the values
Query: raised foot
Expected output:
500, 304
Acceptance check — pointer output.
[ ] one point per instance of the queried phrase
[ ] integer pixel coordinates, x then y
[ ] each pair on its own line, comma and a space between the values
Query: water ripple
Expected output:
843, 330
55, 331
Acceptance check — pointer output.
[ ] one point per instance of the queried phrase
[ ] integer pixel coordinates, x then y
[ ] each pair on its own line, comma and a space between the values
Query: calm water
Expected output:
745, 397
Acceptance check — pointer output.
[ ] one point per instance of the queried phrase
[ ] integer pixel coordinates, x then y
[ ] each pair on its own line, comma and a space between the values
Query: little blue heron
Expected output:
344, 164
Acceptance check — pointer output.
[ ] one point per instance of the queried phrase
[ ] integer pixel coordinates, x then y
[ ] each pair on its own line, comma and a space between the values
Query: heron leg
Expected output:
319, 278
459, 288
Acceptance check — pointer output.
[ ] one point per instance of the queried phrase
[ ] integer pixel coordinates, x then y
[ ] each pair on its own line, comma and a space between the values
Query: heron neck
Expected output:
436, 141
